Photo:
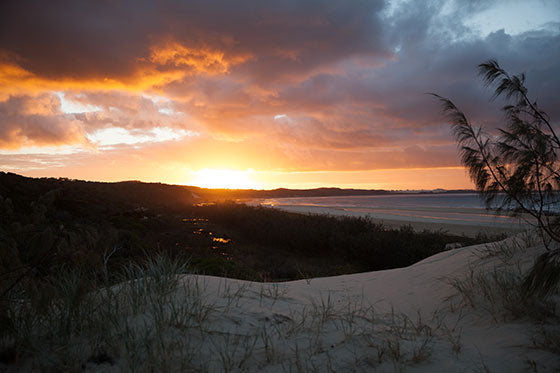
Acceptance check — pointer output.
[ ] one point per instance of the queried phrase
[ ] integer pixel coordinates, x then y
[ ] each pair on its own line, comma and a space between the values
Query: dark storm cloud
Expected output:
450, 70
81, 39
393, 96
438, 53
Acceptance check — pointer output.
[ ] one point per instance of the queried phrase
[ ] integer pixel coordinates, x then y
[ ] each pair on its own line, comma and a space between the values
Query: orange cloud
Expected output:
15, 81
167, 63
196, 60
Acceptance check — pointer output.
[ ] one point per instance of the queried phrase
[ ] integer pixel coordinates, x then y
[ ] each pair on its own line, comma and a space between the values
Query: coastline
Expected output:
394, 220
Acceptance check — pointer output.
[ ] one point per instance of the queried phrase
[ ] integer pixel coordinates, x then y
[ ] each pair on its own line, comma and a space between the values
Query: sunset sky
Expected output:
258, 93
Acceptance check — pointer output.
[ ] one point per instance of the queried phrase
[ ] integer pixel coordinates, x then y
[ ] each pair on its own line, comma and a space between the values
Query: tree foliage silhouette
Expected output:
516, 169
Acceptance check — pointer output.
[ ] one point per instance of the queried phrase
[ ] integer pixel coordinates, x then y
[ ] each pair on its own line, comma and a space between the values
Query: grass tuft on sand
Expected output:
455, 311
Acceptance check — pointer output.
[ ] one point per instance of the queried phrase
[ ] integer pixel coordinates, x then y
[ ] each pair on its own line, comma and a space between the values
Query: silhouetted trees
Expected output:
517, 168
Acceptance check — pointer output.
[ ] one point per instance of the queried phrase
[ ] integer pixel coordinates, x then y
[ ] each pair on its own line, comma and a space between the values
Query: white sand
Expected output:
396, 218
409, 319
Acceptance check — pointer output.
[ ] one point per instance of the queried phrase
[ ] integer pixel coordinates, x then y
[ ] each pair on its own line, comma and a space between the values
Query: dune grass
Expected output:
494, 283
494, 286
158, 315
155, 319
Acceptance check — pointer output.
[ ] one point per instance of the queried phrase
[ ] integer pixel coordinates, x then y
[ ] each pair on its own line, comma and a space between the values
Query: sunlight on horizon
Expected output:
223, 179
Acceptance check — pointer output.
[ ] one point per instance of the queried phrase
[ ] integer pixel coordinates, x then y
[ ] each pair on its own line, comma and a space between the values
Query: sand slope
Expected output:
401, 320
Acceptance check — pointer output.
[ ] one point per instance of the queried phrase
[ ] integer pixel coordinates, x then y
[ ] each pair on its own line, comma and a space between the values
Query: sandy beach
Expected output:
422, 219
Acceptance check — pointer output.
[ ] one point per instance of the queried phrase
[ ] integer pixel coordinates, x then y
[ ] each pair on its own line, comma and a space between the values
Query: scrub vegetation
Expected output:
47, 224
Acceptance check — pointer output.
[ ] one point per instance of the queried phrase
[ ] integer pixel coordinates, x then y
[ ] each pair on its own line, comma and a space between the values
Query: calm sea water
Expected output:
466, 209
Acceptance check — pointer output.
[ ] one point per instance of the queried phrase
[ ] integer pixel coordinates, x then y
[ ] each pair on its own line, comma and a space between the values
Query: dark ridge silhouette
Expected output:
49, 223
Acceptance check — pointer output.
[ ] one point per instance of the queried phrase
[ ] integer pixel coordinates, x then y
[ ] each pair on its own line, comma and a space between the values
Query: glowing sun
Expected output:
223, 179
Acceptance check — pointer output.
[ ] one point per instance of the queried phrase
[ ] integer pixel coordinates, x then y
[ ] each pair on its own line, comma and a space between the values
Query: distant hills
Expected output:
317, 192
98, 195
165, 195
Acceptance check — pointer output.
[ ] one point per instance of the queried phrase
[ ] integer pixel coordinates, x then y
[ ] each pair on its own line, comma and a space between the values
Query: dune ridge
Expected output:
422, 318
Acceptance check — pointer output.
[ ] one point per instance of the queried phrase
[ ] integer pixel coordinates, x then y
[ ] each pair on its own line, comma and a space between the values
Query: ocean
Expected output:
455, 209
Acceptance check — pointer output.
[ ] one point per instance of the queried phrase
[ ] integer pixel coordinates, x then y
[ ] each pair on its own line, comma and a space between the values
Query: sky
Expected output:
257, 93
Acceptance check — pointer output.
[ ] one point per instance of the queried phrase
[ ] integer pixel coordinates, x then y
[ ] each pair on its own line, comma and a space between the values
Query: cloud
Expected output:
121, 40
41, 120
291, 85
36, 121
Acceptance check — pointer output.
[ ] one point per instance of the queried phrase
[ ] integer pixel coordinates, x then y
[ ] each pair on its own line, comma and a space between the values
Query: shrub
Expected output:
520, 165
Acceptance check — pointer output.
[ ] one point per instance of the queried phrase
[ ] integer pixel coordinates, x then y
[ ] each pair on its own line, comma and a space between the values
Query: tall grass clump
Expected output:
151, 319
495, 282
495, 286
74, 318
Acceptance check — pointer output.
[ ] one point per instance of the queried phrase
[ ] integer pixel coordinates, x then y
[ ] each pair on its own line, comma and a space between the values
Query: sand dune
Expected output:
409, 319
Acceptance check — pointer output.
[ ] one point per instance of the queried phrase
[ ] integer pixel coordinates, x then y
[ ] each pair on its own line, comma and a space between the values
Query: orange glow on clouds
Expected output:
167, 63
197, 60
15, 80
247, 94
388, 179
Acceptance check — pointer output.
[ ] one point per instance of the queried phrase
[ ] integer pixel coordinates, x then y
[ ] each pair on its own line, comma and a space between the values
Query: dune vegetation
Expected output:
145, 277
51, 223
459, 310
